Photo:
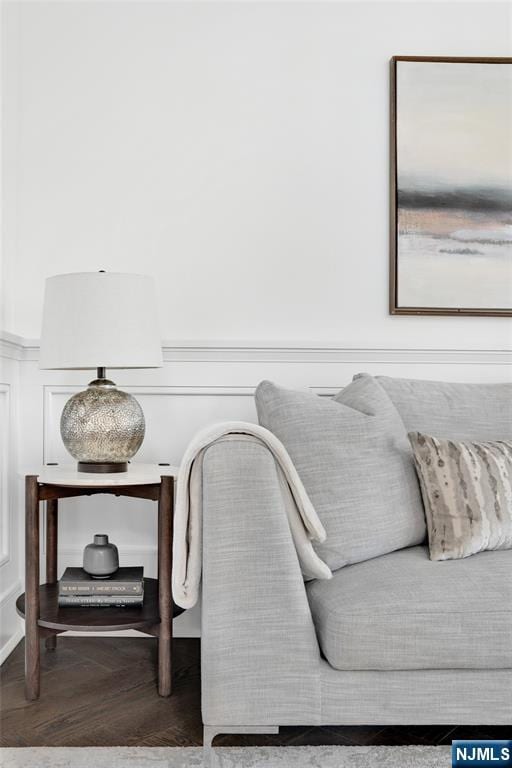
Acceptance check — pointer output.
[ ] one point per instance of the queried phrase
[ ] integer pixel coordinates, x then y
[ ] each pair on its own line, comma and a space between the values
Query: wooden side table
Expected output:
39, 604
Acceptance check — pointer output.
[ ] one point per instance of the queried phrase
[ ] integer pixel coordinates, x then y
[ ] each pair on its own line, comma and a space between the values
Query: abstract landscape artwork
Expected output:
451, 218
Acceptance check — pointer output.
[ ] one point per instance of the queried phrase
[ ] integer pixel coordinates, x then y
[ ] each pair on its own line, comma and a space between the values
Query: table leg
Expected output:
32, 656
165, 515
51, 555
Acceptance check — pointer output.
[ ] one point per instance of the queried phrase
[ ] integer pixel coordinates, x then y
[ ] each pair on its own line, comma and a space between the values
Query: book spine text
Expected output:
86, 601
100, 589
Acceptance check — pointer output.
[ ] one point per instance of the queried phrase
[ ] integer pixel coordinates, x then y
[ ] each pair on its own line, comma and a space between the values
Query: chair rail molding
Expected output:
19, 348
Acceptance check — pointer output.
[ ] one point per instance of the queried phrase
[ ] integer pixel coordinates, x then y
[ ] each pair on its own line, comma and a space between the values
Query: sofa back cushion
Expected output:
452, 411
353, 456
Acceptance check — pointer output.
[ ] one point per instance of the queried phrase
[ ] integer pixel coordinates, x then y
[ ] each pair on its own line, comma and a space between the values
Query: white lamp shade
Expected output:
100, 319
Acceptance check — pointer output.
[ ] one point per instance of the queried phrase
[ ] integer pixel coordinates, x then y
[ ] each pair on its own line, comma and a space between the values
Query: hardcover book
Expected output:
124, 582
101, 601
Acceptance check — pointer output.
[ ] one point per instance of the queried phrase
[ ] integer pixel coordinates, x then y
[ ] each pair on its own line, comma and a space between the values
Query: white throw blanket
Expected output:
305, 525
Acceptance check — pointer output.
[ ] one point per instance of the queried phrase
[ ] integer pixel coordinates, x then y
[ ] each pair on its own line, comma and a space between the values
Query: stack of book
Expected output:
124, 588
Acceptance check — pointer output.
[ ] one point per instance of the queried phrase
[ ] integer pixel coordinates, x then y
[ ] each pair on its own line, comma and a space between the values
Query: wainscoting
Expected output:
10, 530
198, 385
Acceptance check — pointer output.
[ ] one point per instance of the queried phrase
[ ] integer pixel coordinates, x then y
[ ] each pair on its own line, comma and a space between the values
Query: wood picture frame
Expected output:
398, 295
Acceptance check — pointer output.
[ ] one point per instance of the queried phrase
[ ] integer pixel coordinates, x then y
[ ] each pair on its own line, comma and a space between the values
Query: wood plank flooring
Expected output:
102, 692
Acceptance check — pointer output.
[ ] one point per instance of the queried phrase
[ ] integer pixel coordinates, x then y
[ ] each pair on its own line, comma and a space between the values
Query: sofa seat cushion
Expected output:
405, 611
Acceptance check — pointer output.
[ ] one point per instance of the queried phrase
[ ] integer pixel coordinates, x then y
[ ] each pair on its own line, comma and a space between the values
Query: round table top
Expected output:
137, 474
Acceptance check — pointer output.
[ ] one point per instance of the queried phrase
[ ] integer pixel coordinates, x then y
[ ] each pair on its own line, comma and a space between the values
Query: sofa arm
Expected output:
259, 654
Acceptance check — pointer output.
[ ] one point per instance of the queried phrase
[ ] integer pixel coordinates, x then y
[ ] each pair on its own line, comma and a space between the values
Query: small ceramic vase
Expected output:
101, 559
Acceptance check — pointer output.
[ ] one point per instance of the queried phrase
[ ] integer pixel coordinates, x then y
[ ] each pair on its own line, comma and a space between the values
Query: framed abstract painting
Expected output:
451, 186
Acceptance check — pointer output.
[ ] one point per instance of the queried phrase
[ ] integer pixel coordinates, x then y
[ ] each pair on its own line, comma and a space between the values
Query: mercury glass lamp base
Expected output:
102, 427
102, 466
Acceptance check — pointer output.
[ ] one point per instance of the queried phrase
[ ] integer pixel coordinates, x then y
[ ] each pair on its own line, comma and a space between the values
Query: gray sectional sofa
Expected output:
393, 637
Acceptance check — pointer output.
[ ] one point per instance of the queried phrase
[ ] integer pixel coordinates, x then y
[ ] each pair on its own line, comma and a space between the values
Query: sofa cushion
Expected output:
453, 411
404, 611
353, 456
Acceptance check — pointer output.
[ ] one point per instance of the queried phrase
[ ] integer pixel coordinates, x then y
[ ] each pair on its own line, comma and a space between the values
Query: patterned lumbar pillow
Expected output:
467, 493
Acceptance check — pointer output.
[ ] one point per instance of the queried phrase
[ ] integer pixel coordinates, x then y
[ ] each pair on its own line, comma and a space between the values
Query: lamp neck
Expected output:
101, 379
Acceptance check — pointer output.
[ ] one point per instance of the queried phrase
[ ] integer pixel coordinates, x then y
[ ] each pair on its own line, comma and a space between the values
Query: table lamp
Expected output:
100, 320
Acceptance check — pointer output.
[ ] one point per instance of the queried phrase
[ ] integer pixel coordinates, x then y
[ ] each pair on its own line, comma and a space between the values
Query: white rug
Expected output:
226, 757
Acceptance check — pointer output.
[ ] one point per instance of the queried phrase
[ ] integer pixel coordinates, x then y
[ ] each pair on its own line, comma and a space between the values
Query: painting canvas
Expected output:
451, 186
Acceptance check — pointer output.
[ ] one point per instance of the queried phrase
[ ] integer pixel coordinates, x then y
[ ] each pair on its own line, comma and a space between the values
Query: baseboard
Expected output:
9, 595
11, 644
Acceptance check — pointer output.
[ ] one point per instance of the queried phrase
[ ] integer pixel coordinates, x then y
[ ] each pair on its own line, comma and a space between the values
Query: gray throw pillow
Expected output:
467, 492
450, 410
353, 456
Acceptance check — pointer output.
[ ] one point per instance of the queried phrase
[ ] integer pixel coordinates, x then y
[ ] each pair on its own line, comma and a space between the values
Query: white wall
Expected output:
238, 152
10, 530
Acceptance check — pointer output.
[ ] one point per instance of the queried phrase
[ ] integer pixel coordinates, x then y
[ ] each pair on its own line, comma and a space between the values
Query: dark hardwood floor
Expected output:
102, 692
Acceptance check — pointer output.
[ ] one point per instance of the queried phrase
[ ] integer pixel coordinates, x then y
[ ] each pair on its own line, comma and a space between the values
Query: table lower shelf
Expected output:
108, 619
